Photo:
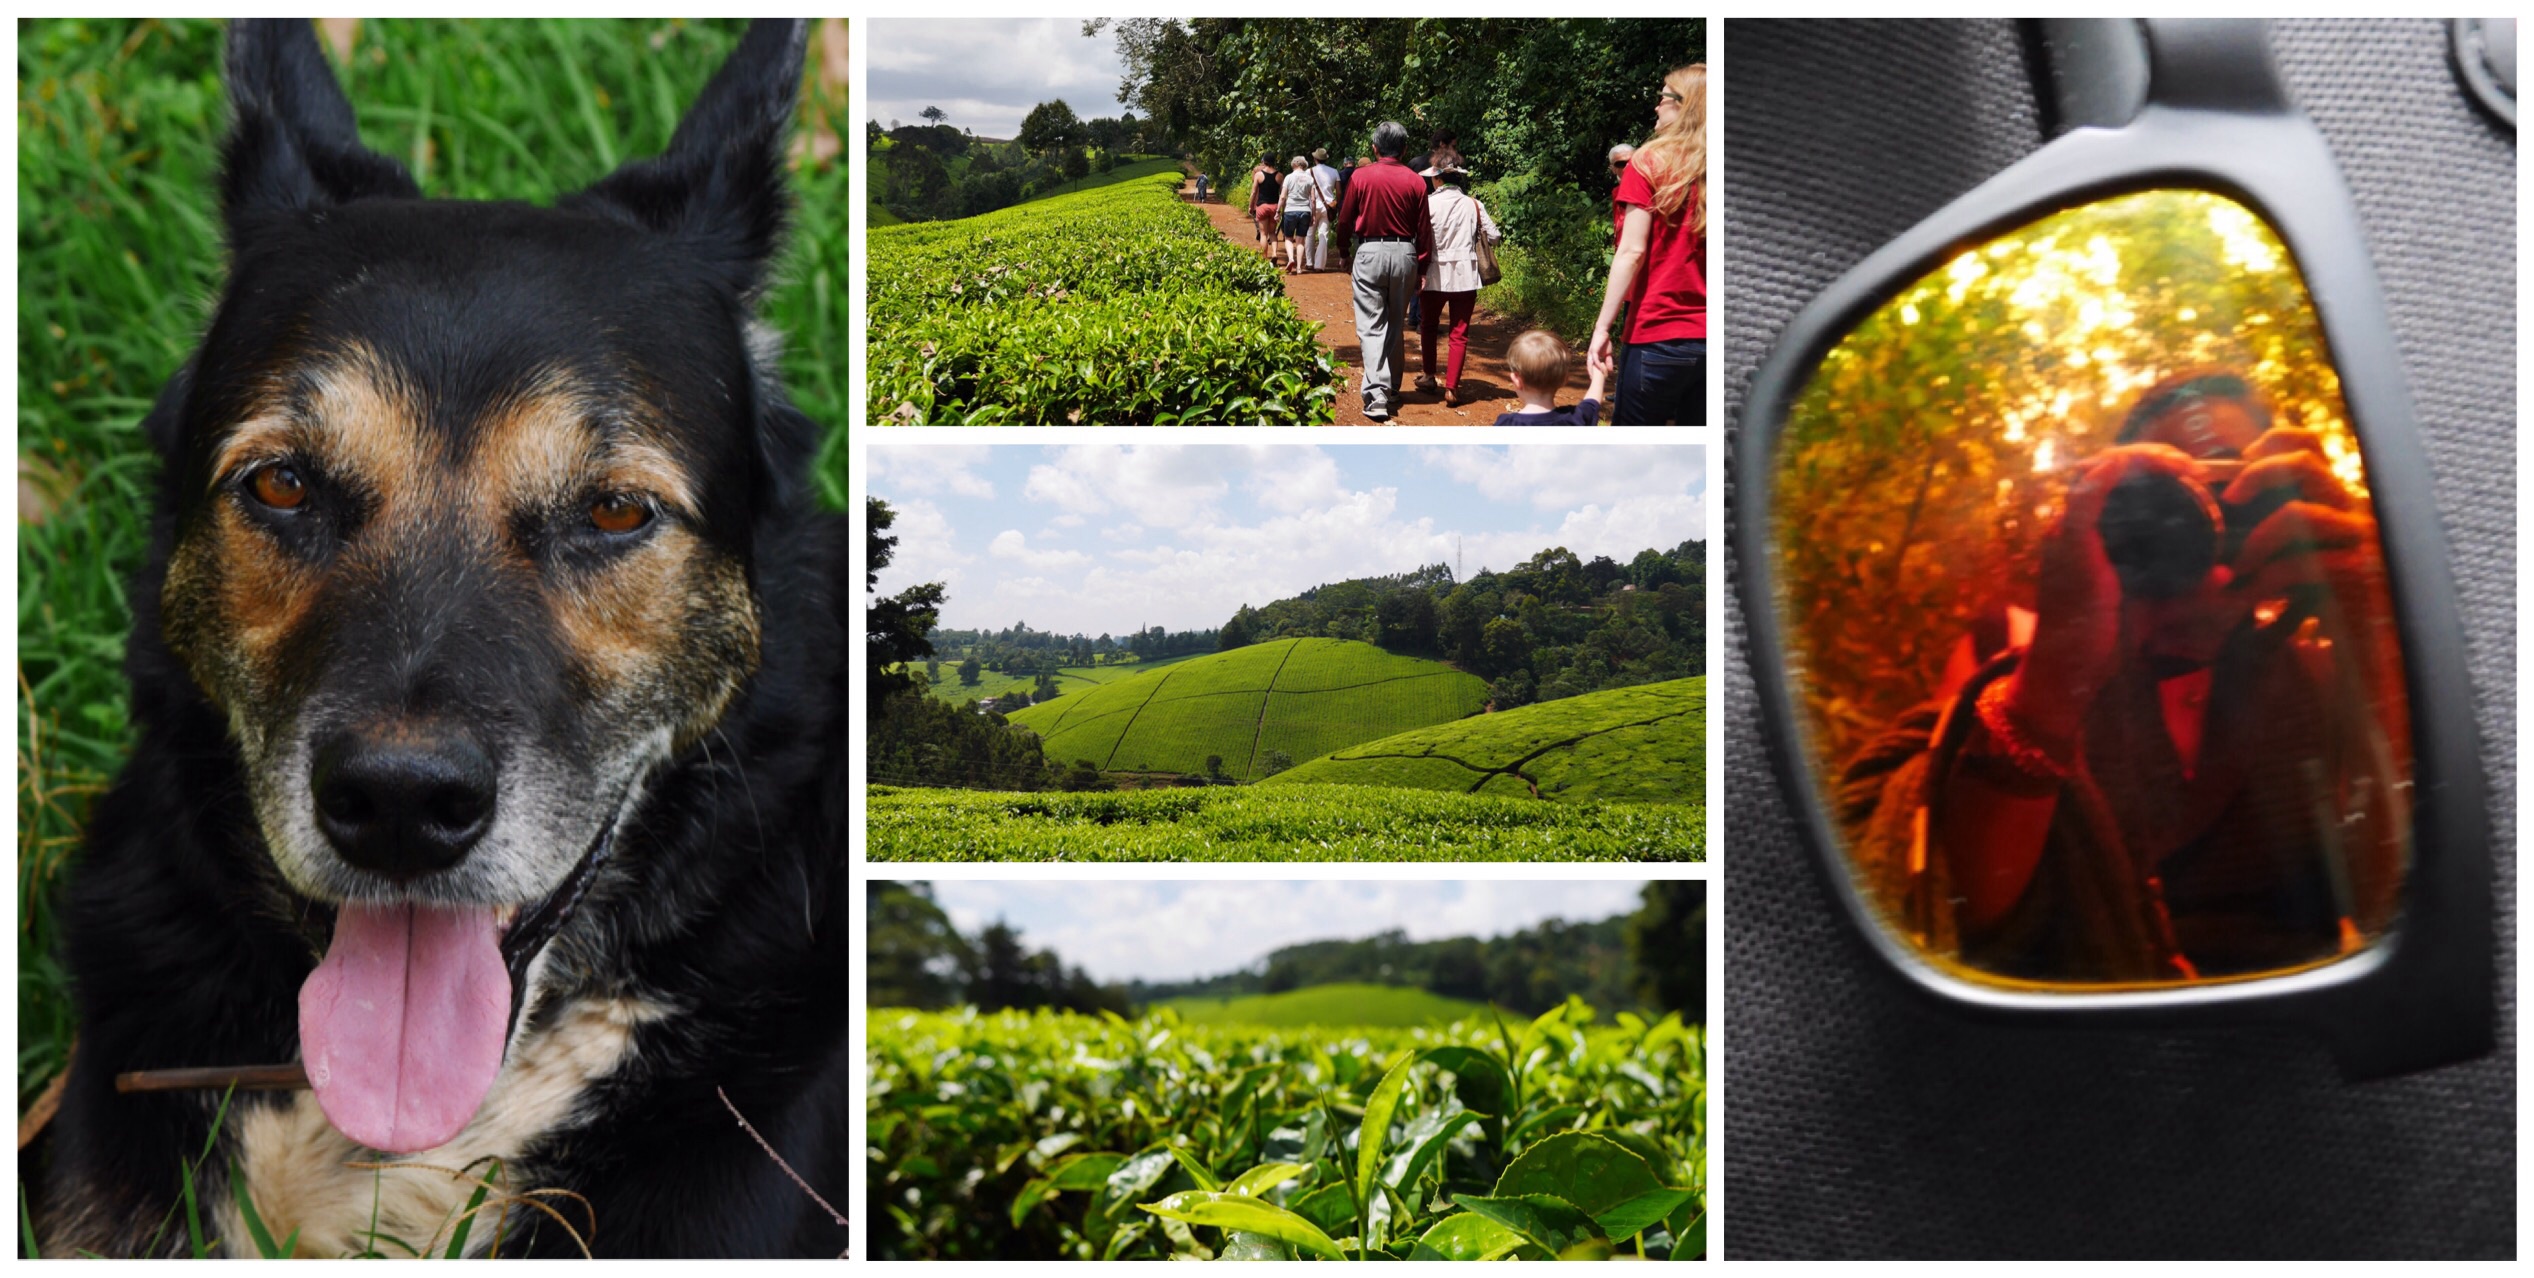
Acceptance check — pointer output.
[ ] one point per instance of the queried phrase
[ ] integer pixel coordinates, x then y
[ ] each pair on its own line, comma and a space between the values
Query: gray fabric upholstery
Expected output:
1860, 1124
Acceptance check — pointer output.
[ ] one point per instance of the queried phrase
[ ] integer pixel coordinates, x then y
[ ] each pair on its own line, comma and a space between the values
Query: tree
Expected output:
1667, 942
932, 670
1460, 970
970, 671
896, 630
1273, 762
1046, 689
934, 114
1214, 765
998, 970
1049, 127
1504, 647
914, 955
1239, 632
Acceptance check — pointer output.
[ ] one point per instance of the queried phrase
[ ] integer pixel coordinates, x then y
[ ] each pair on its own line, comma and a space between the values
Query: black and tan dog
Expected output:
489, 671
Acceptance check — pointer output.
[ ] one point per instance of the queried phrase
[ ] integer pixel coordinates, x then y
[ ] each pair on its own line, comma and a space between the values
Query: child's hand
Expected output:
1593, 390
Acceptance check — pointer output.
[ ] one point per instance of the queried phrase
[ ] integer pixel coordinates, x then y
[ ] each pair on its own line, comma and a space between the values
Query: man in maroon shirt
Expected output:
1384, 217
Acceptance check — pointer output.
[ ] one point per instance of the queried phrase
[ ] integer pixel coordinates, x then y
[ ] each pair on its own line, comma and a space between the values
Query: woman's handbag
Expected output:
1488, 270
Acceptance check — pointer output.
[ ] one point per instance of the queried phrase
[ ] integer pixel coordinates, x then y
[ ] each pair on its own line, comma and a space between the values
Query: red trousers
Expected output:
1430, 305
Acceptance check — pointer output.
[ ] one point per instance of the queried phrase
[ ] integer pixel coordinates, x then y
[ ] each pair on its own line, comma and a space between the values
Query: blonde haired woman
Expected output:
1660, 274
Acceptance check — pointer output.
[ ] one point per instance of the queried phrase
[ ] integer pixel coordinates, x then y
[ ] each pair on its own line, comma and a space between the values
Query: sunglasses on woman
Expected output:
2101, 618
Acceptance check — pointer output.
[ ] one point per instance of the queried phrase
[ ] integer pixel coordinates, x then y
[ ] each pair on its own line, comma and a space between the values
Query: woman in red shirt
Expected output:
1660, 274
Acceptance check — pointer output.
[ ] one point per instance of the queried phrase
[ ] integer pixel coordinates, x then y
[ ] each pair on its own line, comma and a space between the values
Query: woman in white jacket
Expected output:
1451, 274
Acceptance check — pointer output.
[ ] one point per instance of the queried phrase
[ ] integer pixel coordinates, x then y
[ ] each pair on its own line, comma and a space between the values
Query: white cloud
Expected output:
1551, 477
1010, 544
1190, 534
987, 74
926, 549
932, 470
1164, 930
1156, 486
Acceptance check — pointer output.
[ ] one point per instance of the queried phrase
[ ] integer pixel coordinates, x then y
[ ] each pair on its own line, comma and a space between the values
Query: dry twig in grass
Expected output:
744, 1126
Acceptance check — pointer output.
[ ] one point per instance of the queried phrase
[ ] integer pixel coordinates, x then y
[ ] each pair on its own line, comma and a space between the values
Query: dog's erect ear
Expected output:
719, 187
294, 145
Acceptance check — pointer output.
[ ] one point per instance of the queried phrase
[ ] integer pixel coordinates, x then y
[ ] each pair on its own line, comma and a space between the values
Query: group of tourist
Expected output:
1419, 246
1422, 246
1292, 208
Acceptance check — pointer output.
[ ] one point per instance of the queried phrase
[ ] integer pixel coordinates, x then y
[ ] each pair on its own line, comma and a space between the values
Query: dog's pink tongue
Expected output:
402, 1025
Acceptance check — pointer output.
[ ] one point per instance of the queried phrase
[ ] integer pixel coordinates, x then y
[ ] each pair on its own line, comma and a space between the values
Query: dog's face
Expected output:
462, 539
464, 548
465, 500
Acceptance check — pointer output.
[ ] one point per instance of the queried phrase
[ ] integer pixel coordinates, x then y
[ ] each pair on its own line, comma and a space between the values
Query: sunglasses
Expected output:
2102, 624
1666, 95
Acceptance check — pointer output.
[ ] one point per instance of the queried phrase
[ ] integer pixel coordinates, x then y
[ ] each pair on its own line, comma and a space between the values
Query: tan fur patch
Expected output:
363, 426
298, 1167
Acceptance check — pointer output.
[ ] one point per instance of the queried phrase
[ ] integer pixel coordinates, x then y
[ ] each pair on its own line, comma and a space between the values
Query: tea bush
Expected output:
1023, 1135
1272, 823
1117, 305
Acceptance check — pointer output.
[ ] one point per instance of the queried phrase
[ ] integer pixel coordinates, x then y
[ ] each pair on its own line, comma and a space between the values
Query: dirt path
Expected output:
1327, 298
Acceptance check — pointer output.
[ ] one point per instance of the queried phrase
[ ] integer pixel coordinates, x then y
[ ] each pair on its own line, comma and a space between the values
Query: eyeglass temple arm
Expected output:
2100, 72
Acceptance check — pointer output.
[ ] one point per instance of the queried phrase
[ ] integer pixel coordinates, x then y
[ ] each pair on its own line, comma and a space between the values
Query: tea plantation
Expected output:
1646, 744
1300, 697
1271, 823
1018, 1135
1117, 305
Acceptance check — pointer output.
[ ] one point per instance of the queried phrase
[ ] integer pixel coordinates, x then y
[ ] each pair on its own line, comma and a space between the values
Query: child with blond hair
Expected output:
1539, 362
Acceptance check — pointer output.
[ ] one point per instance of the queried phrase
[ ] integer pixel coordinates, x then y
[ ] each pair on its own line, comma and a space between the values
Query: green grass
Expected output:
1646, 744
1272, 823
1304, 697
120, 259
1344, 1004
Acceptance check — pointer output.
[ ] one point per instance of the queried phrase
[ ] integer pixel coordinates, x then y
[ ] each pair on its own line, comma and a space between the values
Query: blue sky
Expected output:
1164, 930
988, 72
1112, 538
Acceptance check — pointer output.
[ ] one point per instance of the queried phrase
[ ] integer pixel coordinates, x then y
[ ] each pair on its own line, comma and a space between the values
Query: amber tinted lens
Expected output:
2085, 610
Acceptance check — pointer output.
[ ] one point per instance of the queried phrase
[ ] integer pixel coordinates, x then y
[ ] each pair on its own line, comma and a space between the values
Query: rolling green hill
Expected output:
1070, 680
1304, 697
1382, 1006
1646, 744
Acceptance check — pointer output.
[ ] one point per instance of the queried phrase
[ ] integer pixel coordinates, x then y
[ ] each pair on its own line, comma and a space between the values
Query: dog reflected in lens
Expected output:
488, 670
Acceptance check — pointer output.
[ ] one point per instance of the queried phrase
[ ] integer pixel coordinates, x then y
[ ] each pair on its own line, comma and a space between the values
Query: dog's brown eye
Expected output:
279, 487
618, 514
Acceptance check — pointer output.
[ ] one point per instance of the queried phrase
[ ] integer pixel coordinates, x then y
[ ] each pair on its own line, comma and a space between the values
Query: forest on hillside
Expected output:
936, 170
1552, 626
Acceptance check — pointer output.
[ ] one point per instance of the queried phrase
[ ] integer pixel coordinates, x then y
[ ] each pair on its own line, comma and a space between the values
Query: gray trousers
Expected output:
1385, 281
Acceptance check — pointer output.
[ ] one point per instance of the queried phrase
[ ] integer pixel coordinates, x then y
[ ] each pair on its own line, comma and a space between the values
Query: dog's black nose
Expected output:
403, 807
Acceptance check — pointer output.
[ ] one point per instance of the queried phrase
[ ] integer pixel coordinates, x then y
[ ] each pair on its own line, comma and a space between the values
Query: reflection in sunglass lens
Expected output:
2085, 610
